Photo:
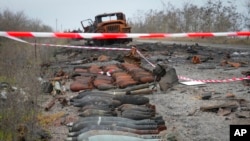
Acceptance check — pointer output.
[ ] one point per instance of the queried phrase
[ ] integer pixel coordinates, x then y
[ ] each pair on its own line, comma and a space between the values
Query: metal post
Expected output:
35, 50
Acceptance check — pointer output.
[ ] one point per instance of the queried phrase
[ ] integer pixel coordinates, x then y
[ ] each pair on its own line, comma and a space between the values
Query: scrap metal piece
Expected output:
169, 79
61, 99
232, 64
140, 91
231, 105
196, 59
133, 57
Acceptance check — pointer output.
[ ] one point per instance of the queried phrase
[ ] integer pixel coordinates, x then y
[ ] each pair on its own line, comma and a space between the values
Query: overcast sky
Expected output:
67, 14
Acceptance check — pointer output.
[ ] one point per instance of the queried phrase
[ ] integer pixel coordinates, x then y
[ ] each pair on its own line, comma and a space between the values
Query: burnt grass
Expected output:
179, 105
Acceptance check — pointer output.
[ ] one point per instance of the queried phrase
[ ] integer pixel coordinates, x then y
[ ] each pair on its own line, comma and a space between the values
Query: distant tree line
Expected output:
247, 17
16, 21
213, 16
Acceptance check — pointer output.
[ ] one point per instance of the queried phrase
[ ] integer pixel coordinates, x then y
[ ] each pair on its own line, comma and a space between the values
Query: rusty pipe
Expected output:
140, 91
50, 104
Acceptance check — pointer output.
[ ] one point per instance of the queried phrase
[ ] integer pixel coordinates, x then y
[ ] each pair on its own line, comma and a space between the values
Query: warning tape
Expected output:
142, 56
215, 81
119, 35
83, 47
126, 49
69, 46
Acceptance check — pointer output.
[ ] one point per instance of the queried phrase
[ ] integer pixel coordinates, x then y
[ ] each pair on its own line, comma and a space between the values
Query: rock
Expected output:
224, 111
206, 95
230, 95
47, 87
243, 114
103, 58
171, 137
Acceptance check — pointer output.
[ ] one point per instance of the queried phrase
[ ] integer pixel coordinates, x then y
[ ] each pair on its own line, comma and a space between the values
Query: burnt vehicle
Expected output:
107, 23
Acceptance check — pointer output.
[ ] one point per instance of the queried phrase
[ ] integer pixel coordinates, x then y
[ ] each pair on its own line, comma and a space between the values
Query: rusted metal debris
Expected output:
228, 107
133, 57
232, 64
50, 104
216, 107
196, 59
63, 101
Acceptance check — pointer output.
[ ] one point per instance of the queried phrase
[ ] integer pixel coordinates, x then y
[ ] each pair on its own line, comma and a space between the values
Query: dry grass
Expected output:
49, 119
20, 67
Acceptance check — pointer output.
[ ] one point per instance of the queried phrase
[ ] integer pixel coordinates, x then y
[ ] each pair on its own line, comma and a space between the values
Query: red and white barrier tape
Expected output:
70, 46
125, 49
82, 47
120, 35
142, 56
215, 81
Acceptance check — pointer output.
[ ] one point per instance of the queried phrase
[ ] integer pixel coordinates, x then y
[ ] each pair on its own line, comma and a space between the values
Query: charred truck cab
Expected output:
107, 23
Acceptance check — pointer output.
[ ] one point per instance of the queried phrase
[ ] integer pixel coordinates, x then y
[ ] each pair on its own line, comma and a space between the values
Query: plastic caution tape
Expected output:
69, 46
83, 47
142, 56
215, 81
126, 49
119, 35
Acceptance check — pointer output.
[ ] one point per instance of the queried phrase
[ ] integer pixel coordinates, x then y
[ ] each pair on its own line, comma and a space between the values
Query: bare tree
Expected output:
16, 21
213, 16
13, 21
247, 16
19, 68
190, 18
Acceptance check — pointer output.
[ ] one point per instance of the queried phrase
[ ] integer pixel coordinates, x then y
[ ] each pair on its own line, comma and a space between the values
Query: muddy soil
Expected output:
180, 105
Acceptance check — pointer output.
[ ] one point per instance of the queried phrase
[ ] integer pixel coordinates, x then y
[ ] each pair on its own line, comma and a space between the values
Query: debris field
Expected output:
111, 95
